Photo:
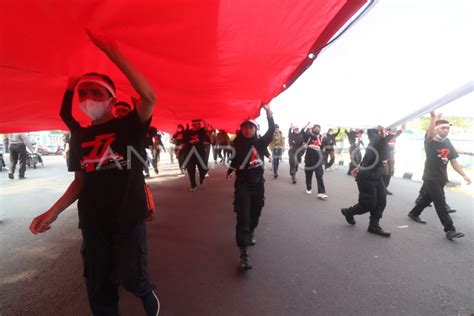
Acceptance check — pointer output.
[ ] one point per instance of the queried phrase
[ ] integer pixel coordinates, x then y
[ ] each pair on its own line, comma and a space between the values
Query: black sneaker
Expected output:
151, 303
293, 179
389, 193
275, 176
416, 218
452, 234
349, 217
10, 176
377, 230
253, 240
21, 177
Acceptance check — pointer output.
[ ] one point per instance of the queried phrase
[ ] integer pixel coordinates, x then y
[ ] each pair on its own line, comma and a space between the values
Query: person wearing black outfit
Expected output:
153, 143
223, 142
390, 165
422, 193
209, 130
355, 140
439, 151
297, 150
313, 160
178, 140
196, 142
109, 185
249, 197
372, 194
329, 143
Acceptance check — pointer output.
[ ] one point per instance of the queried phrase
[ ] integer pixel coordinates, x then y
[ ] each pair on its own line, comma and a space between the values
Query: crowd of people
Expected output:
110, 159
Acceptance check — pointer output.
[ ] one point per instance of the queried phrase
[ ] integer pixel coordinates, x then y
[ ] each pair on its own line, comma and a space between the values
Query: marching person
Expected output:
313, 160
297, 149
109, 186
178, 140
329, 143
277, 147
390, 165
355, 140
439, 152
196, 142
372, 194
247, 164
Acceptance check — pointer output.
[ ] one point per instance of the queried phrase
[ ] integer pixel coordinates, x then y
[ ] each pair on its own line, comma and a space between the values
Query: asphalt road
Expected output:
307, 261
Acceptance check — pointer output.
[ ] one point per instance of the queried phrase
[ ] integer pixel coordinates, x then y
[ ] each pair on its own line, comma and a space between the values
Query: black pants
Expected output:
276, 156
295, 155
248, 203
207, 153
155, 152
216, 152
329, 158
180, 155
319, 172
433, 191
222, 152
113, 259
18, 154
389, 168
356, 158
191, 167
372, 198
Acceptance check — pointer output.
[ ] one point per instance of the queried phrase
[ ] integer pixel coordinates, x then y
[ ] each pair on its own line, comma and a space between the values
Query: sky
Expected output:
401, 56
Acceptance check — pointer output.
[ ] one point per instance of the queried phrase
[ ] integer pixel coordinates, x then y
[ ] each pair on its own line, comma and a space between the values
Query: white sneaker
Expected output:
193, 189
308, 192
322, 196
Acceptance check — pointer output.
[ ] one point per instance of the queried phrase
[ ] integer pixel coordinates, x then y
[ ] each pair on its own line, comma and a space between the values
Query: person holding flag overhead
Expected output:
109, 186
249, 194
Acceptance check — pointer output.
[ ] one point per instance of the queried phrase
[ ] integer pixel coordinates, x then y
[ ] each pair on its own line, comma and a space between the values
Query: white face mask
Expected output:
95, 109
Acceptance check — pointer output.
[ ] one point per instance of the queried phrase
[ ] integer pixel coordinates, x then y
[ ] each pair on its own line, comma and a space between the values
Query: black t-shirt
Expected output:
375, 154
438, 154
150, 134
113, 196
178, 138
249, 153
296, 140
315, 144
197, 139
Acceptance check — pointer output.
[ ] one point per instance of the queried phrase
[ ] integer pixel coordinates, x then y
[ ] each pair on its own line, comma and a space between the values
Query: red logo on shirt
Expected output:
315, 143
443, 153
194, 139
255, 160
100, 153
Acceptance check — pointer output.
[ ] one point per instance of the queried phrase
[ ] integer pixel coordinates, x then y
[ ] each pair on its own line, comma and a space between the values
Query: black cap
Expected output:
124, 104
